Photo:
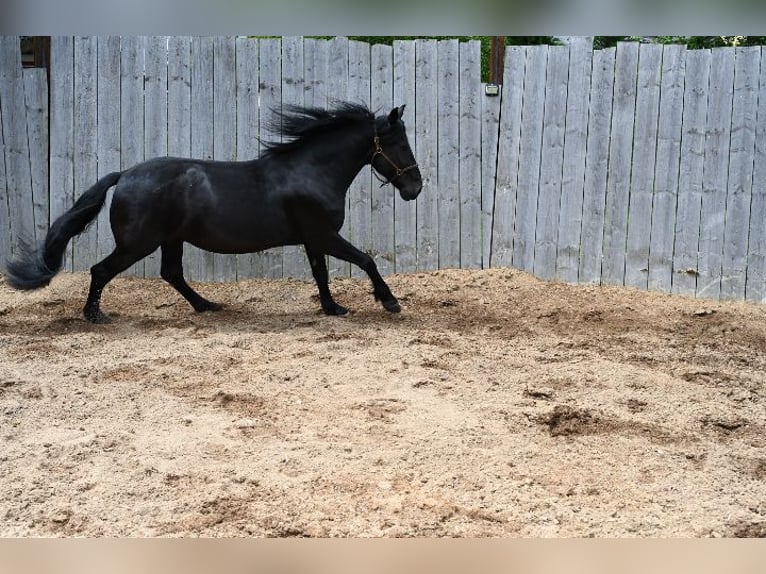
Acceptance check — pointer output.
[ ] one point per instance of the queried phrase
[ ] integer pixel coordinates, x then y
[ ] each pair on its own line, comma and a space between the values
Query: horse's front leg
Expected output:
333, 244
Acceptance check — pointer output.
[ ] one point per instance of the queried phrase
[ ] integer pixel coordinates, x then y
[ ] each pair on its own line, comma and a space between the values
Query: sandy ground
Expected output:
493, 405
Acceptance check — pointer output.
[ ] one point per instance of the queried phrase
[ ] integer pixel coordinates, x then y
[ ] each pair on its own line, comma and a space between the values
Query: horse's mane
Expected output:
298, 124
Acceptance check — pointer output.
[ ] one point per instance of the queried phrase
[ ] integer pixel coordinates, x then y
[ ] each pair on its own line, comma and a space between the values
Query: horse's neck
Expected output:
342, 157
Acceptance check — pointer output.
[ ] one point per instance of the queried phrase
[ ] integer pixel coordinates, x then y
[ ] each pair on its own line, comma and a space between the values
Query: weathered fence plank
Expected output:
156, 117
506, 184
337, 90
224, 130
469, 160
532, 117
382, 216
180, 118
358, 229
597, 166
715, 173
405, 212
447, 152
620, 157
551, 163
696, 90
294, 263
36, 98
249, 265
666, 175
18, 175
270, 90
5, 223
490, 134
740, 182
755, 288
642, 174
573, 169
62, 131
108, 133
132, 111
198, 262
85, 246
426, 123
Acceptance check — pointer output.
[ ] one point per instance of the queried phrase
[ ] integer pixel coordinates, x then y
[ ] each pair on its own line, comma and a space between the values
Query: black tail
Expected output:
33, 268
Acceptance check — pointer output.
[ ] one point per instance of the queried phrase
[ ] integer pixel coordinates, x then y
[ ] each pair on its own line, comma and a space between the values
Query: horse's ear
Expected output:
396, 114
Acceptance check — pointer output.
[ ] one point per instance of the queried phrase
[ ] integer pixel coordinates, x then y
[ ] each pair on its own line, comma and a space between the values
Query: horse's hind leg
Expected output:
171, 270
102, 273
319, 270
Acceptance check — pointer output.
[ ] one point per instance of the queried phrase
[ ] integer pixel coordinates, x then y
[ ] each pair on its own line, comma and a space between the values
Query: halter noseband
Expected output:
379, 151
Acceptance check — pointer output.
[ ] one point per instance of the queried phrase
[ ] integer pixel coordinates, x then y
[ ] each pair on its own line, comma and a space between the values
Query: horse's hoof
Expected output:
391, 306
208, 306
98, 318
335, 310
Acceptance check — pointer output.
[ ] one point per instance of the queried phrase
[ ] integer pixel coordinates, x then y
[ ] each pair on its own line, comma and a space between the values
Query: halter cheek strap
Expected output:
379, 151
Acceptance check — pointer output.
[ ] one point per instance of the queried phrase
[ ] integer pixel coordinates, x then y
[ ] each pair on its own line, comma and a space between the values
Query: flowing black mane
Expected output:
298, 124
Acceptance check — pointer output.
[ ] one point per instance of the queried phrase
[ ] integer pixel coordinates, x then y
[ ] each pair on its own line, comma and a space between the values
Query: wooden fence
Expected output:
641, 165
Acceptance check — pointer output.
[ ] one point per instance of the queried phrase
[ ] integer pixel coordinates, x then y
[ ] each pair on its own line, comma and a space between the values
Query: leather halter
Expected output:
379, 151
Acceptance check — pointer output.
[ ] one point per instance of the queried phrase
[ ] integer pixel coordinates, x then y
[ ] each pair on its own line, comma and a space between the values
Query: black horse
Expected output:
295, 193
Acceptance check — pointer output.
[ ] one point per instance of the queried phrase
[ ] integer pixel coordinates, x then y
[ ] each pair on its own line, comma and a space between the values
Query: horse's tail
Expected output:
33, 268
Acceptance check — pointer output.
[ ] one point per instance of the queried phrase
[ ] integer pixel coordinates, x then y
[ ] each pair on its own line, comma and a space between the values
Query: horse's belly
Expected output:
235, 239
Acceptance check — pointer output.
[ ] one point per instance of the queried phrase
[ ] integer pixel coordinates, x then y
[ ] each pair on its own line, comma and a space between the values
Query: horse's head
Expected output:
392, 157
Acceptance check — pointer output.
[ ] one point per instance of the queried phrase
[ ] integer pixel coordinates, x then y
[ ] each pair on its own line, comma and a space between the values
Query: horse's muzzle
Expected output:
410, 192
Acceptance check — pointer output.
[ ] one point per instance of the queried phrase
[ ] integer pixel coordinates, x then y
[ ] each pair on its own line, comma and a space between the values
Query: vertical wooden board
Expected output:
742, 152
108, 132
132, 58
294, 259
755, 288
693, 125
36, 97
448, 153
85, 246
382, 221
359, 218
620, 157
596, 165
316, 62
405, 212
224, 129
490, 136
551, 163
471, 93
249, 265
199, 263
5, 222
532, 115
18, 174
715, 173
337, 91
180, 115
666, 175
316, 54
426, 129
642, 175
179, 96
156, 117
573, 170
62, 131
270, 94
508, 150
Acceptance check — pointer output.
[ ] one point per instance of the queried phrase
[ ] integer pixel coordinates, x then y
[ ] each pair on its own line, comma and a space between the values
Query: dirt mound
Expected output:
493, 405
